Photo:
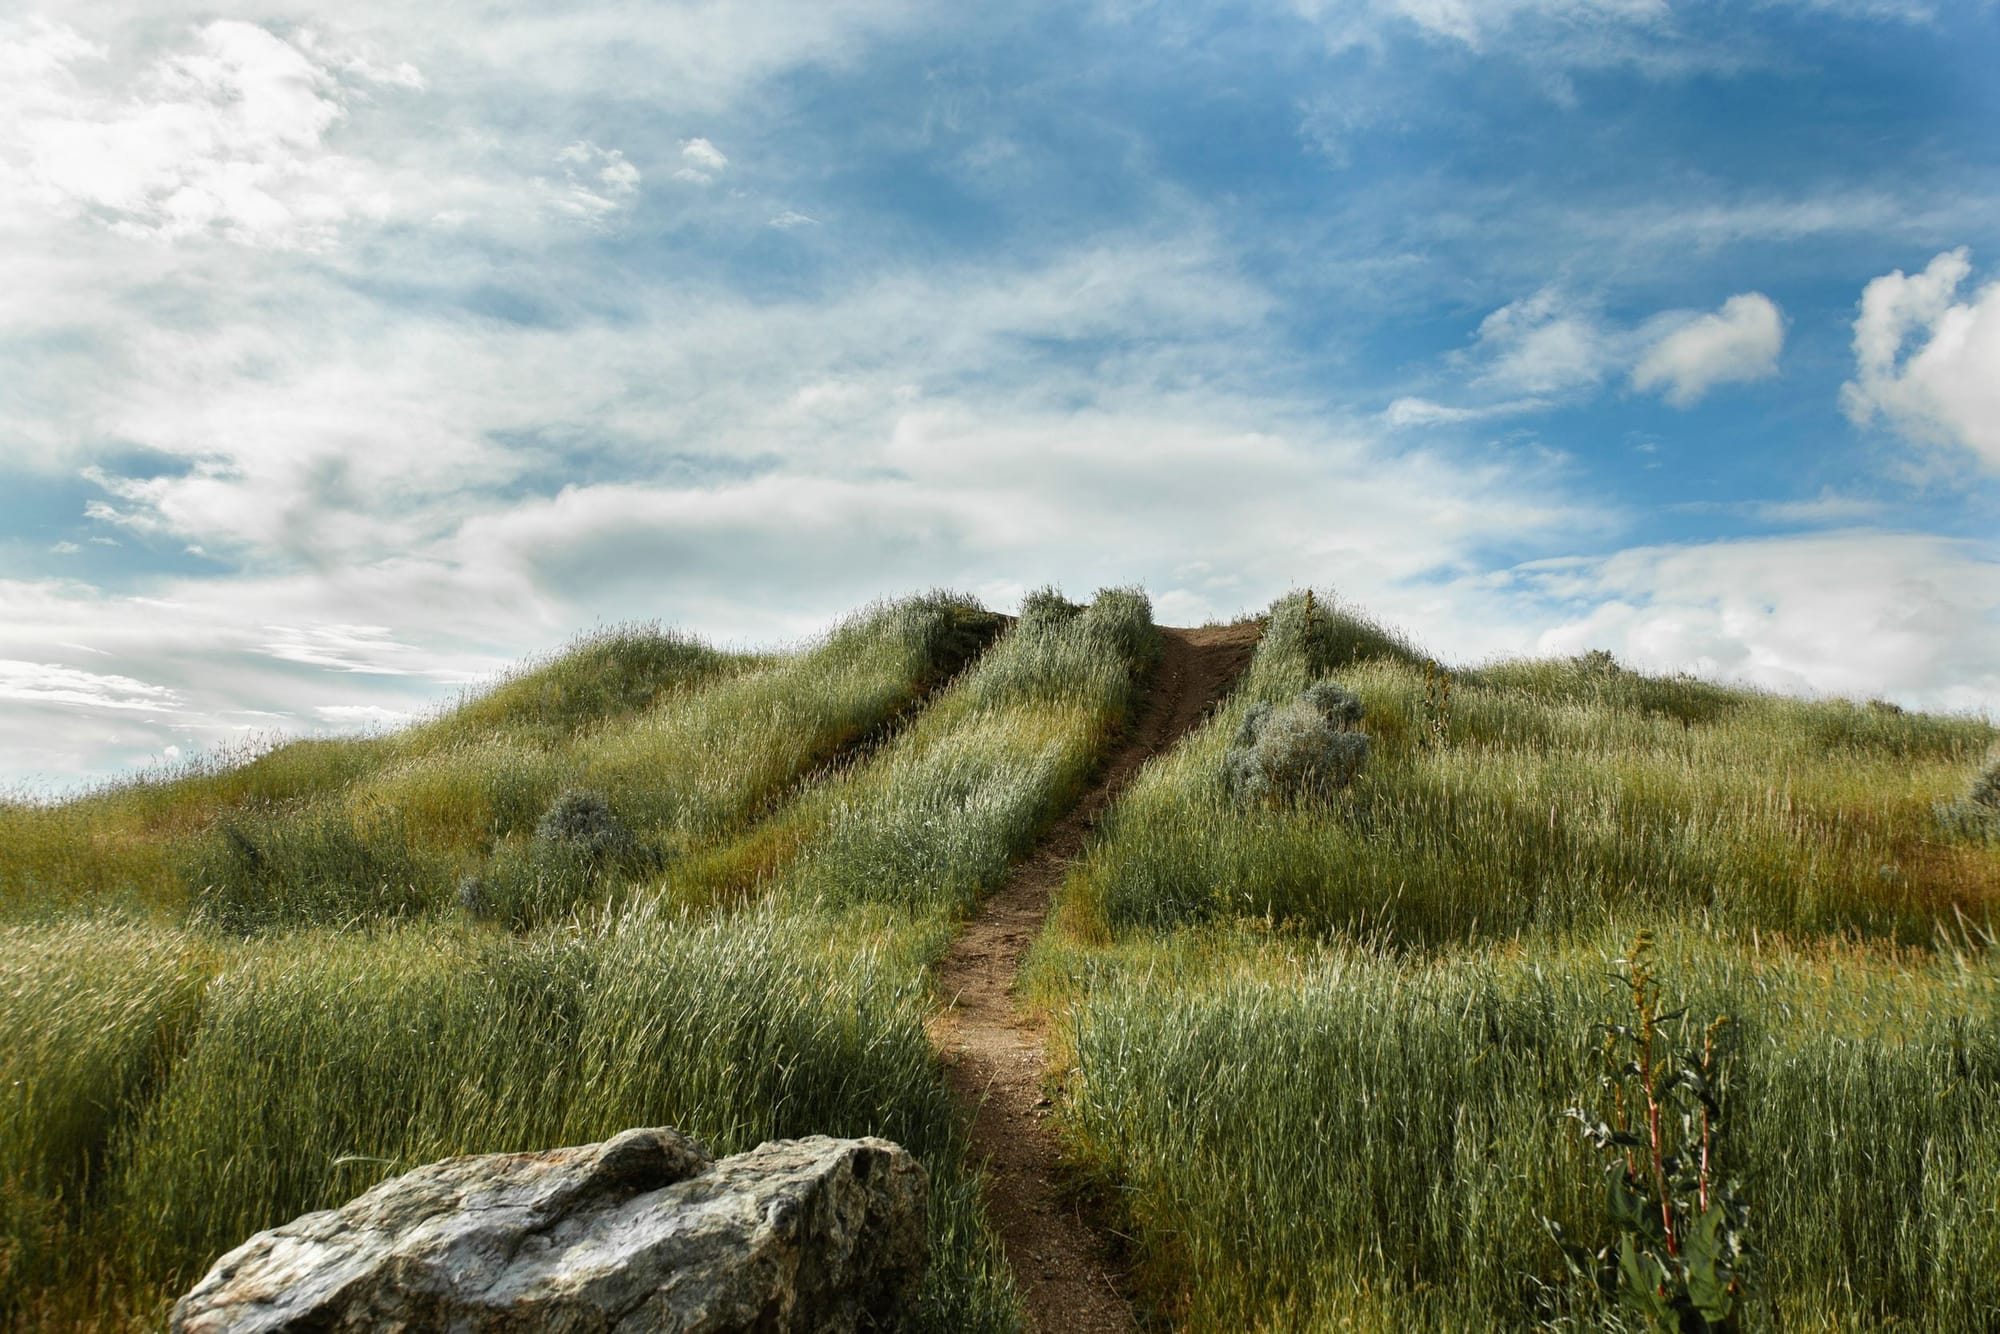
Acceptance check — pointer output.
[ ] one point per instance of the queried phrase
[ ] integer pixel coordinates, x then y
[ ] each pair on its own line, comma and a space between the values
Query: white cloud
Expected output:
1415, 411
1542, 344
1733, 345
597, 182
226, 137
1856, 613
792, 218
362, 715
1551, 345
370, 650
50, 683
1928, 362
1555, 36
701, 162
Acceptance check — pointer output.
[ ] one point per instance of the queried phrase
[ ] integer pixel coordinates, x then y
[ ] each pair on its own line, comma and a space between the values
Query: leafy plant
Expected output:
584, 824
1678, 1263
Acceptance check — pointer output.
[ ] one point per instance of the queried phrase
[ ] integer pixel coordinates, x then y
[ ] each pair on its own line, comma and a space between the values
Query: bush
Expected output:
580, 846
1327, 637
1977, 815
1986, 787
1301, 748
951, 631
583, 824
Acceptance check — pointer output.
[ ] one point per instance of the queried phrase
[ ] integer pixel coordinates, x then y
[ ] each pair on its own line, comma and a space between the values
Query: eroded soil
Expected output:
993, 1051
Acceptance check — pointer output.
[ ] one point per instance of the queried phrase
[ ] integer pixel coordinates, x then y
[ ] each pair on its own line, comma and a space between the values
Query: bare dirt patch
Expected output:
993, 1052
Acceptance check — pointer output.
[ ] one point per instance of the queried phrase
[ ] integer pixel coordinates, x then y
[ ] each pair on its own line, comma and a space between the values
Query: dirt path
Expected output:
993, 1052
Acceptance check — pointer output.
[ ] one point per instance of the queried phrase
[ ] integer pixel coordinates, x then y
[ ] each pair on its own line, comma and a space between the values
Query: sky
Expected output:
350, 353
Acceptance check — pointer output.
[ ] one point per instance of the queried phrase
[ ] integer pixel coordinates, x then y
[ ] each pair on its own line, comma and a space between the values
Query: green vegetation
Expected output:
1320, 1048
179, 1090
1309, 1134
1544, 796
687, 744
1336, 991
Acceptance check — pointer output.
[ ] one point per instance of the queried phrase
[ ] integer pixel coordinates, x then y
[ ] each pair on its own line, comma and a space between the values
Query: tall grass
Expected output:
1346, 1138
937, 819
323, 1062
93, 1013
1548, 795
1321, 1048
688, 743
128, 844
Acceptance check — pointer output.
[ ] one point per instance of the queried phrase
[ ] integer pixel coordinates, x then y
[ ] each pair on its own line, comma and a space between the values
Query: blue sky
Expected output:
349, 353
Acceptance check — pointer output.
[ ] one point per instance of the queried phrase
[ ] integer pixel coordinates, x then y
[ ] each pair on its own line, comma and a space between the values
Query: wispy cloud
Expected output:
51, 683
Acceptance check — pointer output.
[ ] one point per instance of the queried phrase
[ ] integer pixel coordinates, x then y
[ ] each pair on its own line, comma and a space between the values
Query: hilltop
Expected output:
1313, 936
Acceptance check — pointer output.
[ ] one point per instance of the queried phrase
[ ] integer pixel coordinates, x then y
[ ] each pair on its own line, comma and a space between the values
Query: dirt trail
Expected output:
993, 1052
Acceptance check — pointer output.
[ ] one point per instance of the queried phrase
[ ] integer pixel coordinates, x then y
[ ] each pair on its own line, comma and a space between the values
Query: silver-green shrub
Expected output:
1305, 747
1976, 815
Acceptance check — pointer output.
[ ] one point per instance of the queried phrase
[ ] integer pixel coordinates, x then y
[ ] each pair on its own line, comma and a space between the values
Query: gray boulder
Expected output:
644, 1232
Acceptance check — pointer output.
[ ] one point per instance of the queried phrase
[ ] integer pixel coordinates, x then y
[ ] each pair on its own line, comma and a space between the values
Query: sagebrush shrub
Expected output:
1986, 787
1977, 815
583, 823
1335, 703
1305, 747
579, 845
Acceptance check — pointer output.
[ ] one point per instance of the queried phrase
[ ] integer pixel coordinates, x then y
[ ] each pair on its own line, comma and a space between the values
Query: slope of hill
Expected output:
1312, 1047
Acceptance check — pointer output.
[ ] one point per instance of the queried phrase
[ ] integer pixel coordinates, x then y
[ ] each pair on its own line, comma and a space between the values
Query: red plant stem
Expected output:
1660, 1173
1707, 1062
1653, 1128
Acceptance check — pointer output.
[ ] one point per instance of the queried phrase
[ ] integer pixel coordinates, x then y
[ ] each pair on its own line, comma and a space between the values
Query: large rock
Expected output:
643, 1232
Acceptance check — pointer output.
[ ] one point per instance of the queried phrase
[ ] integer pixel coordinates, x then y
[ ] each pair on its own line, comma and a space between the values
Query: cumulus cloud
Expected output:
1733, 345
701, 162
1927, 362
1553, 344
1547, 343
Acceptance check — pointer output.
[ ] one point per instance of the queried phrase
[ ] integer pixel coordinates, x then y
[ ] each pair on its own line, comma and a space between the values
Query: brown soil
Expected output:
993, 1051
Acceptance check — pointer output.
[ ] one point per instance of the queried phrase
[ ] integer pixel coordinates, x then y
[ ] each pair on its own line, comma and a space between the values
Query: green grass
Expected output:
1314, 1054
1318, 1050
128, 844
689, 744
934, 818
322, 1062
1562, 793
1307, 1136
94, 1013
939, 818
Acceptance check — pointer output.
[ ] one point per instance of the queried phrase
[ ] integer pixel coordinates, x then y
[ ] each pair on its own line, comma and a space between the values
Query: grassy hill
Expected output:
1326, 1055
